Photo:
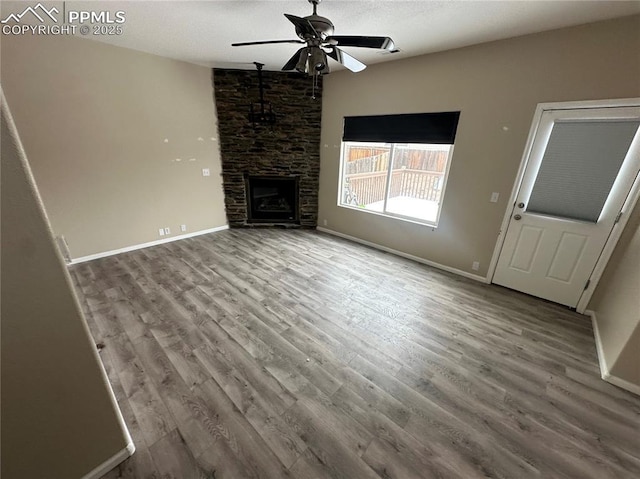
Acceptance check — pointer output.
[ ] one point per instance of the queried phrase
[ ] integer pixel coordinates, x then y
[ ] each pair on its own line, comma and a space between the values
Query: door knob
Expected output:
517, 217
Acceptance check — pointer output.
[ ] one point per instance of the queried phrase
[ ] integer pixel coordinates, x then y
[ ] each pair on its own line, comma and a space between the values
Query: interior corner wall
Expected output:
616, 304
117, 139
59, 417
497, 87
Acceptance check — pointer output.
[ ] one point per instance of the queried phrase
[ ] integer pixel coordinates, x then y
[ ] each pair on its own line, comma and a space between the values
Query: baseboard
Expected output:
622, 383
112, 462
104, 254
449, 269
604, 368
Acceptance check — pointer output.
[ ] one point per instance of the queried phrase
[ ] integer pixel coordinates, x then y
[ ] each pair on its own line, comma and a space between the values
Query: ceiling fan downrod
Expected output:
315, 5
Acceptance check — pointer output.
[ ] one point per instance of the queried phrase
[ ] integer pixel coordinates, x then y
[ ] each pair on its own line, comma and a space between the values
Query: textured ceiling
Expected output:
202, 31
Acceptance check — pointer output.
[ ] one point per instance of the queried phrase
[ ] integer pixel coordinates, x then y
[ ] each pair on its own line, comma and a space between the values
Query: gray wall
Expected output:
494, 85
616, 303
94, 119
59, 419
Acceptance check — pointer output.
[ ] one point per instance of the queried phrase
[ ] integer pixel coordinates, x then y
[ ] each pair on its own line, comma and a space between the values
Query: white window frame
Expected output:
387, 214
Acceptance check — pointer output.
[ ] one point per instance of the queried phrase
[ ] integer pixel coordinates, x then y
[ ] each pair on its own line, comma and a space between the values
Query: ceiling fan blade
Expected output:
265, 42
293, 61
303, 26
346, 59
383, 43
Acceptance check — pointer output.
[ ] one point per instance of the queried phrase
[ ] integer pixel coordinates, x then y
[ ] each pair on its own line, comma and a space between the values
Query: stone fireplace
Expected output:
270, 172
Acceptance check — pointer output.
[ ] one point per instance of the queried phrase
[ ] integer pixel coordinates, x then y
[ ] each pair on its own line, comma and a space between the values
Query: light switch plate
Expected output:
494, 197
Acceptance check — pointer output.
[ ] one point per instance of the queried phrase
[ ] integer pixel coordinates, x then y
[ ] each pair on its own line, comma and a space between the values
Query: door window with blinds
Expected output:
397, 165
579, 166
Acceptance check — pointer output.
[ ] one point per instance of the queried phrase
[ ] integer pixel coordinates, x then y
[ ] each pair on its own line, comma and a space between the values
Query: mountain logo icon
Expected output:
17, 17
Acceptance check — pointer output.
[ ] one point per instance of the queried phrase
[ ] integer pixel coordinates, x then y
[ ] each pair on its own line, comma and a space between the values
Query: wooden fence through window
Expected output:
367, 188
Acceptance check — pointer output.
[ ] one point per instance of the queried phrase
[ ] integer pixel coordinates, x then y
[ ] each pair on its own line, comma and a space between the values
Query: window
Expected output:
397, 165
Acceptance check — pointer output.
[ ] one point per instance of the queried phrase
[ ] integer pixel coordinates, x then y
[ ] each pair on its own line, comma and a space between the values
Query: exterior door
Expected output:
580, 169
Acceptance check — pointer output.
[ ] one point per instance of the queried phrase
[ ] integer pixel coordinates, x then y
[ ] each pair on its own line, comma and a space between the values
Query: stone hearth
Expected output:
288, 148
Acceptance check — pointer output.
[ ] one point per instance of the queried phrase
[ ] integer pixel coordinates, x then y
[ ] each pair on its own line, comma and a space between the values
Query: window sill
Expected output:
392, 216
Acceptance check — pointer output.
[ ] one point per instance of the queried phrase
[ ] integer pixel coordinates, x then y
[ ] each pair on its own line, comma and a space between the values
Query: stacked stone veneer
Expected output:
291, 147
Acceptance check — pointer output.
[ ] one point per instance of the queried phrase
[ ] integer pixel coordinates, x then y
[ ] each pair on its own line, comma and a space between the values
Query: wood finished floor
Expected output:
286, 353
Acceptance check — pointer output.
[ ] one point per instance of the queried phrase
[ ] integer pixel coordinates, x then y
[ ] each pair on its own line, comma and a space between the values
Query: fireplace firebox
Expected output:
272, 199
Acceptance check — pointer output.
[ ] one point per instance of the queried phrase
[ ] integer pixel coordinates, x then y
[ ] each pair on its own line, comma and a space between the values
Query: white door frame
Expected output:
627, 207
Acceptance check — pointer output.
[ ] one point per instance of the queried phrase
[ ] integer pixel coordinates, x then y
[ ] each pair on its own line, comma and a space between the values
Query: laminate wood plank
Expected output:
222, 461
346, 430
395, 464
451, 391
137, 435
174, 318
618, 410
309, 466
226, 297
444, 427
130, 320
494, 420
605, 452
246, 444
176, 395
152, 415
130, 369
328, 445
624, 430
186, 363
269, 305
173, 457
607, 390
366, 389
405, 447
140, 465
112, 373
461, 297
281, 354
233, 355
256, 408
266, 353
106, 323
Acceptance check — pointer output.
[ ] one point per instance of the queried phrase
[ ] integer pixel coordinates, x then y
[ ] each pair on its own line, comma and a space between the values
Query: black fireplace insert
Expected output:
272, 199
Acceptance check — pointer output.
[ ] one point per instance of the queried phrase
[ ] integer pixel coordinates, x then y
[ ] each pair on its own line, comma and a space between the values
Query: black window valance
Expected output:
434, 128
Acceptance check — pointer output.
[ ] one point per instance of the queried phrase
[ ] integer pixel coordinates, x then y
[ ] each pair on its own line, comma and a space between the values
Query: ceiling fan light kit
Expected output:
316, 33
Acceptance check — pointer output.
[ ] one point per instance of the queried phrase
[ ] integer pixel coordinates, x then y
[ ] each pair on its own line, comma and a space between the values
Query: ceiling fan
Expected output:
317, 33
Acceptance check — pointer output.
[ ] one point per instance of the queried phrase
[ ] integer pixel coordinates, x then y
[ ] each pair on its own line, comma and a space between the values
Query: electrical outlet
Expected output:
167, 231
183, 228
324, 222
494, 197
161, 232
475, 266
206, 172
